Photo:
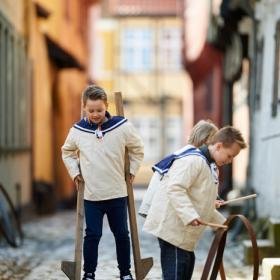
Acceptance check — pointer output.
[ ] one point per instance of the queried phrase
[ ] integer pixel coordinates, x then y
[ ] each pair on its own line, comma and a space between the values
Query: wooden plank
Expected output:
72, 269
142, 266
239, 199
79, 231
213, 225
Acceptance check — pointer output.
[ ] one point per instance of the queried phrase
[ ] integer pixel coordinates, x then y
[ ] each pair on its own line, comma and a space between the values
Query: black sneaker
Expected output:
127, 277
88, 276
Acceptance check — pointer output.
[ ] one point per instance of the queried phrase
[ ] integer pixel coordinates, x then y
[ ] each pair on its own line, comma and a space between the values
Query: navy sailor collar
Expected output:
164, 165
205, 151
90, 127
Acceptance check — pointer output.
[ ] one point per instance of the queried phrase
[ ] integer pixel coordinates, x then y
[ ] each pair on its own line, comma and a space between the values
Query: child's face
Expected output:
224, 155
95, 110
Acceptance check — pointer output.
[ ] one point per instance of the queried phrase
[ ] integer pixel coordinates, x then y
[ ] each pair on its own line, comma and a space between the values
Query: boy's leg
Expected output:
176, 264
94, 213
117, 218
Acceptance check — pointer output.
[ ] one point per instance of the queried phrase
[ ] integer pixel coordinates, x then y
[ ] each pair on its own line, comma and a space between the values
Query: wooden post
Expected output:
142, 266
73, 269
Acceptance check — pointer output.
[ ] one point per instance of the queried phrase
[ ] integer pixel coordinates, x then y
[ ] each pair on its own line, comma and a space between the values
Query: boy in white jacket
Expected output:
185, 198
98, 143
201, 134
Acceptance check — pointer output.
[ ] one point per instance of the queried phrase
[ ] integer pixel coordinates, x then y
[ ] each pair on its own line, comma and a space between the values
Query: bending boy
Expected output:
185, 198
201, 134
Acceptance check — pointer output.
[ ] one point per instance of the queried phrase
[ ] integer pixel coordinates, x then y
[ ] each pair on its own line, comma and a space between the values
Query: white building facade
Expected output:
265, 165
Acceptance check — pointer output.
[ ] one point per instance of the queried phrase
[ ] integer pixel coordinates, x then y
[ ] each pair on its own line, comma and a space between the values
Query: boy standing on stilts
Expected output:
101, 140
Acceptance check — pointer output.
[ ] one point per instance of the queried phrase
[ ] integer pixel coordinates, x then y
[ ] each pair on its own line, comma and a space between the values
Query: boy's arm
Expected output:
70, 156
181, 176
135, 148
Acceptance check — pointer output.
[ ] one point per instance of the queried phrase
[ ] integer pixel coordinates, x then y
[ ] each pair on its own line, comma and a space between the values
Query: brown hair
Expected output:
202, 133
94, 92
229, 135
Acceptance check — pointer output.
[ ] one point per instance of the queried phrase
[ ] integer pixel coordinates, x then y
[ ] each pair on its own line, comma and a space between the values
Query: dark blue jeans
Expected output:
176, 263
116, 211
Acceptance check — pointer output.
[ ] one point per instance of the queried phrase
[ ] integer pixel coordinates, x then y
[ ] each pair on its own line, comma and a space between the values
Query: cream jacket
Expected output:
102, 160
188, 191
153, 186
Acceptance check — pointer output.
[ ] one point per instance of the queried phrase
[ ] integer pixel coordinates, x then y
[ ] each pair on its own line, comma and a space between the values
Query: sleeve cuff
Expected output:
189, 218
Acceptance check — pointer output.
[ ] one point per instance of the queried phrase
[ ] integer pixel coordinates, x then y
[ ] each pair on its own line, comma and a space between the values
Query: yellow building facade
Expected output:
15, 95
141, 57
55, 72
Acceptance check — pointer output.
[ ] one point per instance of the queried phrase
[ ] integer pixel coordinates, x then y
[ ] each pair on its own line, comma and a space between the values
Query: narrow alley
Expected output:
50, 239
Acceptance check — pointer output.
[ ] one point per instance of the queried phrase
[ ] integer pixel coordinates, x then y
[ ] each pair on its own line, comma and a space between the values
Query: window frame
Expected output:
169, 48
259, 73
15, 91
139, 45
276, 82
149, 129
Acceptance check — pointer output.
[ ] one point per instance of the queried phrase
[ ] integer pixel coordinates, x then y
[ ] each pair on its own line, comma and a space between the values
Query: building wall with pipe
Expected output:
54, 74
266, 124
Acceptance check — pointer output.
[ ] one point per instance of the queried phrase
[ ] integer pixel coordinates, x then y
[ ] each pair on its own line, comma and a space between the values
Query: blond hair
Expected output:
229, 135
202, 133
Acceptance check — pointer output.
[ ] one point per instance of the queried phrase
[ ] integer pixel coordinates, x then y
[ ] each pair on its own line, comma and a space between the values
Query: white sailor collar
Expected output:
109, 125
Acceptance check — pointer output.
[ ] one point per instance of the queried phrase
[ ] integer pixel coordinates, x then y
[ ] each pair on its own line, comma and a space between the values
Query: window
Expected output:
258, 85
137, 51
170, 49
14, 92
173, 134
149, 129
276, 87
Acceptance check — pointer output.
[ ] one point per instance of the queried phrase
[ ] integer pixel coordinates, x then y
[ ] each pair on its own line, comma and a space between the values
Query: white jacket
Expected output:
156, 180
102, 160
188, 191
149, 194
153, 186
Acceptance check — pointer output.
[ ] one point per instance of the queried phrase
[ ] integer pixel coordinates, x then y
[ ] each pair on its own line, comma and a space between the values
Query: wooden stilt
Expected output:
142, 266
73, 269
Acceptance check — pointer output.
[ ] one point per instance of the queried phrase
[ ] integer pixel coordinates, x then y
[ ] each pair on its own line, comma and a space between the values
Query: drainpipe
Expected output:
252, 92
227, 120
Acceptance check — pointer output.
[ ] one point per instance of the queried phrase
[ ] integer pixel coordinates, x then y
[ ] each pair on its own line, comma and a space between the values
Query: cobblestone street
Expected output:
50, 239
